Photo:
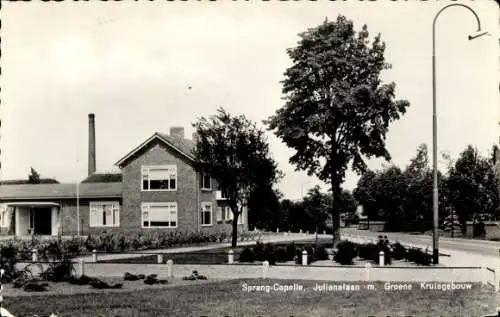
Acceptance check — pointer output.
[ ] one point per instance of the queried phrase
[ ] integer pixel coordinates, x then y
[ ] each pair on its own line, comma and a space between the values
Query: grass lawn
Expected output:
214, 256
227, 298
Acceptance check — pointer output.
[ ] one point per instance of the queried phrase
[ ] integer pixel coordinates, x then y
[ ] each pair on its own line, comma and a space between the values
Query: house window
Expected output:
206, 214
159, 215
206, 182
219, 214
104, 214
240, 218
159, 177
228, 214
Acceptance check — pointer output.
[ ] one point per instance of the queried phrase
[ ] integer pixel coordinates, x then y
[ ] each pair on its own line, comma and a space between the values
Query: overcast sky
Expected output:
132, 63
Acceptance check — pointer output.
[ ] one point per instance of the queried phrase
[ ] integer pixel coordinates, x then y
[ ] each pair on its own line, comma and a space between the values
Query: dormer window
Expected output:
206, 181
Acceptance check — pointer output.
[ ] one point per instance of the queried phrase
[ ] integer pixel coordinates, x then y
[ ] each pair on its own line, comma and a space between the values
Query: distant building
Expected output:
158, 188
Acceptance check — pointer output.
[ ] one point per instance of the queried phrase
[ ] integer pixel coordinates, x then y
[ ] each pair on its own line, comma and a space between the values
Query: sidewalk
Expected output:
265, 238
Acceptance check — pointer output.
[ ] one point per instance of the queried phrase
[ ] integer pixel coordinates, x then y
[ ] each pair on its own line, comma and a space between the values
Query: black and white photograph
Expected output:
247, 158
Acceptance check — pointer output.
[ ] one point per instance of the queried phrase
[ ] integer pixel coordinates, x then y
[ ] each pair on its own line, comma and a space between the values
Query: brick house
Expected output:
158, 188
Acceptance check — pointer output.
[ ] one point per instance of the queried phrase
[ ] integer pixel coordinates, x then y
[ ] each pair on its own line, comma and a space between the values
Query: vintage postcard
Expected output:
250, 158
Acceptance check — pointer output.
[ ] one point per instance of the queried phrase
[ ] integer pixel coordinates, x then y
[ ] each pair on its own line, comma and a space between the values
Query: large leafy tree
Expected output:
264, 208
472, 185
236, 154
337, 109
317, 205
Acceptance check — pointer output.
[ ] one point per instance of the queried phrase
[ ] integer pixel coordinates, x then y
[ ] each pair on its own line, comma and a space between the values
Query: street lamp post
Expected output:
435, 254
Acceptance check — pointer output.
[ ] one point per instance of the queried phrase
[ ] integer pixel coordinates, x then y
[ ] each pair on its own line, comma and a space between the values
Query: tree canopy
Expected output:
337, 109
236, 154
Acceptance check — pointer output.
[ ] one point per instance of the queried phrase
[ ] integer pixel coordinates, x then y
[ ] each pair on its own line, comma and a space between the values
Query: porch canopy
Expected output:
32, 204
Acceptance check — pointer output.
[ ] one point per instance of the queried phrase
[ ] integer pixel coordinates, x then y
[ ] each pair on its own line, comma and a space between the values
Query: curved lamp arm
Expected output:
446, 7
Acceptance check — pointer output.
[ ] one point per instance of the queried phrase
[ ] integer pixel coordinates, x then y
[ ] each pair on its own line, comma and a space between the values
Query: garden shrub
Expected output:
247, 255
282, 254
398, 251
346, 252
291, 251
418, 256
368, 252
383, 245
269, 254
321, 254
59, 271
258, 251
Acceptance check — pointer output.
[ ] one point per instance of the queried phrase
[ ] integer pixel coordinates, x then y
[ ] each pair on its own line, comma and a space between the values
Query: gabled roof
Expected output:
60, 191
182, 146
103, 178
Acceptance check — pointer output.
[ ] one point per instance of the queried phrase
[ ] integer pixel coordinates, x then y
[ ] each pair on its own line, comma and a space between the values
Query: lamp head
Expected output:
471, 37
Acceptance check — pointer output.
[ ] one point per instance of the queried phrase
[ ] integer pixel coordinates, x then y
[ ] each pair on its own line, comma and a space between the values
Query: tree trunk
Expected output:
335, 214
234, 239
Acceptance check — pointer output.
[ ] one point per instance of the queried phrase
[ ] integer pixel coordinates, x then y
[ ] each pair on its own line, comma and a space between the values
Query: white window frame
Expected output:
98, 222
203, 187
149, 168
228, 214
4, 211
219, 214
203, 210
169, 204
240, 218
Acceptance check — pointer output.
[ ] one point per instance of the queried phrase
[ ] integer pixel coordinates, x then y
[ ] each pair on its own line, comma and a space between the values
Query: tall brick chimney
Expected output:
177, 132
92, 159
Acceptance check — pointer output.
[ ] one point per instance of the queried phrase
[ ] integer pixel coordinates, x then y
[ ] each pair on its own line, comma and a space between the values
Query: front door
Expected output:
42, 221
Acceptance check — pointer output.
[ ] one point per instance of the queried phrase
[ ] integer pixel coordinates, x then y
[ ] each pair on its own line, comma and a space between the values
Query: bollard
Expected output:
81, 268
34, 255
368, 266
304, 257
381, 258
170, 268
307, 232
300, 231
277, 230
484, 277
230, 256
94, 256
159, 258
265, 269
324, 232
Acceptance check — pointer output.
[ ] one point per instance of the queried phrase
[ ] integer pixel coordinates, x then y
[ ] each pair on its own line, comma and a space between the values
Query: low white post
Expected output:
300, 231
265, 269
230, 256
381, 258
170, 268
324, 232
81, 268
484, 278
304, 257
94, 256
34, 255
307, 232
368, 266
277, 230
159, 258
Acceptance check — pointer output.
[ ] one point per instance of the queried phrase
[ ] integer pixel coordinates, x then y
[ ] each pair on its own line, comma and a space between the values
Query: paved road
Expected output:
481, 247
463, 252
